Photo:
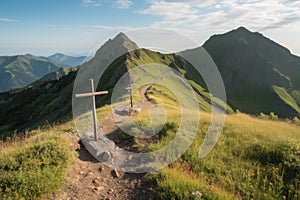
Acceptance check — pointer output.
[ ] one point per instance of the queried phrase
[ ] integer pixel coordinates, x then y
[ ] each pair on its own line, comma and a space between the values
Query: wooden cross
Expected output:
130, 93
93, 94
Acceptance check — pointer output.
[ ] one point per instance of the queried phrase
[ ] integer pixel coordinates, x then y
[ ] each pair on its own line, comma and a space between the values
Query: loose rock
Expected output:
115, 173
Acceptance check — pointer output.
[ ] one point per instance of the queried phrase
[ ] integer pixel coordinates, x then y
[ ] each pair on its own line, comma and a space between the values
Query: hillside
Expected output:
49, 99
70, 61
259, 74
21, 70
252, 86
254, 158
36, 105
56, 75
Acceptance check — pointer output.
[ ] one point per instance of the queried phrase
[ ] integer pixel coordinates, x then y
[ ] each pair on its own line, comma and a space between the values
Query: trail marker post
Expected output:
93, 94
130, 93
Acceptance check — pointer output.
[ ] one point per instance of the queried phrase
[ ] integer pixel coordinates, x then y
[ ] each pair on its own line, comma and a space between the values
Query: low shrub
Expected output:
35, 169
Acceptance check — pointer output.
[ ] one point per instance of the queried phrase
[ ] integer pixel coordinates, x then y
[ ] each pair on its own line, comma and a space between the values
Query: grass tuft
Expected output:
34, 169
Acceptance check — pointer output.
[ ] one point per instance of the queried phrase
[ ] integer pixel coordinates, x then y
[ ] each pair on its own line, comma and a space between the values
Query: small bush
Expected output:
34, 170
271, 116
263, 116
296, 120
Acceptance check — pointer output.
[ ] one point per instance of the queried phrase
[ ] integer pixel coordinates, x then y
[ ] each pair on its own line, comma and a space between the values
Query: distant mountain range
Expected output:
21, 70
70, 61
259, 76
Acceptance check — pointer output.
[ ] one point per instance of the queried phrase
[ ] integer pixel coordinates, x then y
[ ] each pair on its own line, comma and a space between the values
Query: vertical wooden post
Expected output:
131, 103
130, 94
94, 109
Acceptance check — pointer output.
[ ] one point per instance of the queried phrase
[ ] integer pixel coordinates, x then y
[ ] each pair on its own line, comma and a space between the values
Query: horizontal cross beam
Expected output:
91, 94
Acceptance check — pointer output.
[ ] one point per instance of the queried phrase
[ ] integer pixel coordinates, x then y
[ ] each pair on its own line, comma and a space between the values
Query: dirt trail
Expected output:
89, 179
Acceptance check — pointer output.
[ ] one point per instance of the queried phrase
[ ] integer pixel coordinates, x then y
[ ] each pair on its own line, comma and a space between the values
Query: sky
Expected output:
76, 27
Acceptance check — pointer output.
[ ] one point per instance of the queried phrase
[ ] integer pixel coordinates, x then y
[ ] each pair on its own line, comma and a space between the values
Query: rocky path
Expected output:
89, 179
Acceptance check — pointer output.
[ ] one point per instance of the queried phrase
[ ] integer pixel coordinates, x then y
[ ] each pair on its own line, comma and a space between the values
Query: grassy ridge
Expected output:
286, 97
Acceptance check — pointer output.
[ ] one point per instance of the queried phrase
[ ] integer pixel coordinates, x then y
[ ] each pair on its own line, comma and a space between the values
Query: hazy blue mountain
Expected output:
67, 60
21, 70
259, 74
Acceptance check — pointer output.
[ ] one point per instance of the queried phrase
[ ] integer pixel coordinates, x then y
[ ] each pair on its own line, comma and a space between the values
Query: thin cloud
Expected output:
173, 13
114, 28
90, 3
224, 14
7, 20
122, 4
283, 22
105, 31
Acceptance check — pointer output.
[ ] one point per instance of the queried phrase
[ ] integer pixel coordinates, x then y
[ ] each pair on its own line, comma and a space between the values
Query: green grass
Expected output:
253, 159
152, 64
34, 168
296, 96
286, 97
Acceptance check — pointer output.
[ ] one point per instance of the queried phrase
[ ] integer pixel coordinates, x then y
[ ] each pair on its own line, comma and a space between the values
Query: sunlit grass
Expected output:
35, 167
253, 159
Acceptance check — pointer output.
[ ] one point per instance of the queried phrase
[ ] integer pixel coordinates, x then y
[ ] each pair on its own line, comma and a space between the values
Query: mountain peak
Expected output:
124, 39
118, 45
58, 54
242, 29
66, 60
122, 35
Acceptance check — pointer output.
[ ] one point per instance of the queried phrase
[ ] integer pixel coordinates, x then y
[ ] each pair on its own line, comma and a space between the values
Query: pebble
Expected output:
115, 173
96, 183
99, 188
110, 191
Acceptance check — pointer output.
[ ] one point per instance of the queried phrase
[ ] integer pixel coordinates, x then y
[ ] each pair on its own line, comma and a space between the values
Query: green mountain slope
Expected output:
259, 75
36, 105
19, 71
56, 75
253, 67
49, 99
253, 159
67, 60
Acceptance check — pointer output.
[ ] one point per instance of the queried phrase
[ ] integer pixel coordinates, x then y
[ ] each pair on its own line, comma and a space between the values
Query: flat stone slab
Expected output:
101, 149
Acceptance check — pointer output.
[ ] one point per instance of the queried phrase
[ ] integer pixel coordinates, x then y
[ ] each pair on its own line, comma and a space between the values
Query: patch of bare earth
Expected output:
88, 179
